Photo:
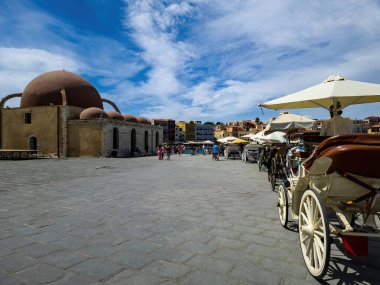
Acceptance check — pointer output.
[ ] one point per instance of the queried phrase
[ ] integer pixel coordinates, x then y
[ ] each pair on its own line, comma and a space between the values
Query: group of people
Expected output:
167, 150
164, 150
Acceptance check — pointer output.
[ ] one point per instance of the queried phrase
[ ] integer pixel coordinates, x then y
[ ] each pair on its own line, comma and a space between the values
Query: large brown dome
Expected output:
46, 88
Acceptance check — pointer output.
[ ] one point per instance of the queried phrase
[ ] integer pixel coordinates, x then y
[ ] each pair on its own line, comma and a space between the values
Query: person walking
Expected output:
160, 152
215, 152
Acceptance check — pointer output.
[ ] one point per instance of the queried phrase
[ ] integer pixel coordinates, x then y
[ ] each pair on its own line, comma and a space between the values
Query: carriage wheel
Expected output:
283, 205
314, 233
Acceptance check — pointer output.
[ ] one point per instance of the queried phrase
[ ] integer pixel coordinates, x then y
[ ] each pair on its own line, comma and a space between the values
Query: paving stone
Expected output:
207, 263
64, 259
252, 274
15, 242
120, 278
72, 243
37, 249
220, 242
131, 259
48, 237
224, 233
6, 279
172, 255
83, 233
100, 250
41, 273
137, 279
142, 247
16, 262
197, 247
96, 268
5, 234
167, 269
76, 279
208, 278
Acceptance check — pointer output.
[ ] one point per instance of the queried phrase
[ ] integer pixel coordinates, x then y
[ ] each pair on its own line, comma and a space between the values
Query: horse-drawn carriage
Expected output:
335, 191
232, 151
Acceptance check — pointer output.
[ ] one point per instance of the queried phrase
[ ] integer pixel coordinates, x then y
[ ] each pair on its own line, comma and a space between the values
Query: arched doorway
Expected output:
32, 143
157, 139
133, 141
115, 141
146, 142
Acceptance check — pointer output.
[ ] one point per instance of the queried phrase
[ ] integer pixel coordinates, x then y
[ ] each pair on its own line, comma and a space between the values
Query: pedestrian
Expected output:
215, 152
168, 151
160, 152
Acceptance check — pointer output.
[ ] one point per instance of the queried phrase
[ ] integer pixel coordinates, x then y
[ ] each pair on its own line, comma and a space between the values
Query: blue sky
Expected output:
193, 59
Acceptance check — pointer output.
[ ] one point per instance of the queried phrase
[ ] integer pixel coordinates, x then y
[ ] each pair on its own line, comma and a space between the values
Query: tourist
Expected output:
168, 151
160, 152
215, 152
337, 125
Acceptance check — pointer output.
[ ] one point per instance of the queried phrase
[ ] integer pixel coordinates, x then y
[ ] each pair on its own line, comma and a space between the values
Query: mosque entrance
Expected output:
157, 139
146, 143
32, 143
133, 141
115, 142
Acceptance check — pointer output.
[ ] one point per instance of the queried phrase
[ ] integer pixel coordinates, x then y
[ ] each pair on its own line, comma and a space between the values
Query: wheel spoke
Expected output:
319, 233
304, 218
318, 223
316, 257
304, 238
315, 212
309, 247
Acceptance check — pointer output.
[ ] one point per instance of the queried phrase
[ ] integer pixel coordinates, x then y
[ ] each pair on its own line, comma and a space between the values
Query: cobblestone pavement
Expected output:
141, 221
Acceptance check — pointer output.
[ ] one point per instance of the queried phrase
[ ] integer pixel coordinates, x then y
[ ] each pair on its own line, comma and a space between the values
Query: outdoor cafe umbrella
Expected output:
227, 139
275, 137
288, 121
239, 141
334, 89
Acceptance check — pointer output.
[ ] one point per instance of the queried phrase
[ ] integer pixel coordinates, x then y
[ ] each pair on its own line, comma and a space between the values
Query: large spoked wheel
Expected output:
283, 205
314, 233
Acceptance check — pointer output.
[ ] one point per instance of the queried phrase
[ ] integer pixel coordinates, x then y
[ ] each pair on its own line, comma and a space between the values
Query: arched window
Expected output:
115, 138
133, 141
146, 141
115, 142
157, 139
32, 143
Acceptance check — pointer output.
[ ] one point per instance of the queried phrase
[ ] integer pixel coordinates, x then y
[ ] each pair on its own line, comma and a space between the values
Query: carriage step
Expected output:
355, 245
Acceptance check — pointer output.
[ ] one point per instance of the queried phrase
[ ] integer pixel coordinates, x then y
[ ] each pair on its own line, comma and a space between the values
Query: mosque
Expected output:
62, 114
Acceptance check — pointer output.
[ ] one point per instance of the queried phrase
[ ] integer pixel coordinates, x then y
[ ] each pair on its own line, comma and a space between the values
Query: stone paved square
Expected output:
189, 220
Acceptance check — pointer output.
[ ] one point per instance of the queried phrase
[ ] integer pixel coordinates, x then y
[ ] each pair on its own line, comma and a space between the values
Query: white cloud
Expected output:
18, 66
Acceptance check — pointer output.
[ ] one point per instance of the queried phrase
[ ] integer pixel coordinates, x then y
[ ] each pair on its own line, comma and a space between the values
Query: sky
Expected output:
206, 60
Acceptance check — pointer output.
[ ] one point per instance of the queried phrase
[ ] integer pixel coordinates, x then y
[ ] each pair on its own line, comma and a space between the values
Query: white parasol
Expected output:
288, 121
275, 137
329, 92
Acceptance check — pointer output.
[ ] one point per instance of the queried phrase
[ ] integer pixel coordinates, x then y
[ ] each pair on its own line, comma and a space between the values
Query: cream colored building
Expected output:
61, 114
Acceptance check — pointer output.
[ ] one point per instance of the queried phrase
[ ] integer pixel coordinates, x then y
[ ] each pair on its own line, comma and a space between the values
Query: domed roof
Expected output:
46, 88
130, 118
93, 113
115, 115
142, 120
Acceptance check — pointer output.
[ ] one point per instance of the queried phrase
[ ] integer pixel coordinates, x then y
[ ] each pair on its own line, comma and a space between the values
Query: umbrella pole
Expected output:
335, 112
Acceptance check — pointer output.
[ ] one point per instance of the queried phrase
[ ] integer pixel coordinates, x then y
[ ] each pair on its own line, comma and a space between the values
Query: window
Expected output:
28, 118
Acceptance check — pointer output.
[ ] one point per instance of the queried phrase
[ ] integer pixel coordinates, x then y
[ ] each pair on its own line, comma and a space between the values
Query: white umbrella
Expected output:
288, 121
329, 92
275, 137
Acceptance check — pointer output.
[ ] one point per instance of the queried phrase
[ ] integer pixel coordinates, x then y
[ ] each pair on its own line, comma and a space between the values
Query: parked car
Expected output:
250, 153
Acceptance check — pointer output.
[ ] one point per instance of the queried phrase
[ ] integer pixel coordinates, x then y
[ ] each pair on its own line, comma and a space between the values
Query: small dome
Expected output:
93, 113
46, 88
115, 115
130, 118
142, 120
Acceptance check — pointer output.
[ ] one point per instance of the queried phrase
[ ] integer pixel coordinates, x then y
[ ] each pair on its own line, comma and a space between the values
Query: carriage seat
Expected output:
357, 154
